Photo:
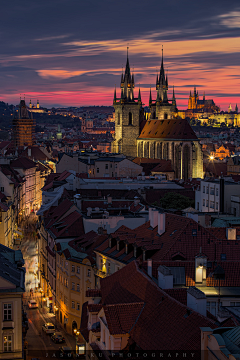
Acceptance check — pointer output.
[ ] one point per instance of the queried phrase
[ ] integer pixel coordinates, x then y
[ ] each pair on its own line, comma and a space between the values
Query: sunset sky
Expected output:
71, 52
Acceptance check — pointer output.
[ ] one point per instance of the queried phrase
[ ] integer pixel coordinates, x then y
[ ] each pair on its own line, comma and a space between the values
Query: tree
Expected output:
172, 200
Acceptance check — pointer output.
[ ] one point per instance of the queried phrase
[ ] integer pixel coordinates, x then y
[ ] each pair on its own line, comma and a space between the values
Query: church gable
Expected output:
174, 129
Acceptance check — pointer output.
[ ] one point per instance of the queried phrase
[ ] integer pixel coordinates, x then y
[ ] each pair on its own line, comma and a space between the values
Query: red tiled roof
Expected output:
93, 293
23, 163
216, 169
163, 166
121, 317
161, 314
168, 129
94, 307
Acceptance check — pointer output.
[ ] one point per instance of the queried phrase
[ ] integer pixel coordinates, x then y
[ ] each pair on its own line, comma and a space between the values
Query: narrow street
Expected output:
39, 344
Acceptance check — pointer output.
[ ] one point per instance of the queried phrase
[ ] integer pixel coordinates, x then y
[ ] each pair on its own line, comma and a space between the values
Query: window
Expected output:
211, 191
109, 268
89, 273
204, 189
212, 204
7, 312
78, 306
66, 264
115, 166
178, 275
216, 191
197, 205
78, 287
130, 119
118, 118
223, 257
194, 232
66, 283
65, 300
207, 203
73, 304
78, 269
203, 202
97, 170
106, 166
7, 343
216, 206
73, 268
2, 189
165, 116
207, 189
73, 286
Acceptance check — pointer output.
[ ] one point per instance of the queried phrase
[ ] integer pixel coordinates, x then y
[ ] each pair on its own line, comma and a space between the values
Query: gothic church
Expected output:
164, 136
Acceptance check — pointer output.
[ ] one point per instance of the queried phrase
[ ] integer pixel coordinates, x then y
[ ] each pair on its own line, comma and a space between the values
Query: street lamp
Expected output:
76, 332
41, 290
56, 309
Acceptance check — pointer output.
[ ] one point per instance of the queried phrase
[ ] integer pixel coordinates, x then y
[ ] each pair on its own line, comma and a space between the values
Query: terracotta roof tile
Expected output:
168, 129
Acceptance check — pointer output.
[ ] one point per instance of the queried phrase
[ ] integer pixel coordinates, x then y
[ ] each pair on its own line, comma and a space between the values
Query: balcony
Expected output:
100, 273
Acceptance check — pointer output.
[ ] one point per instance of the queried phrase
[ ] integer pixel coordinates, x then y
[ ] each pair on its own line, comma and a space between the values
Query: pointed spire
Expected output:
190, 95
150, 97
139, 97
204, 95
158, 99
115, 95
122, 96
165, 98
195, 91
133, 80
166, 82
173, 98
236, 108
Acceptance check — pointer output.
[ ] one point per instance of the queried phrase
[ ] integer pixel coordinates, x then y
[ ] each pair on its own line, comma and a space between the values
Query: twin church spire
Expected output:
127, 87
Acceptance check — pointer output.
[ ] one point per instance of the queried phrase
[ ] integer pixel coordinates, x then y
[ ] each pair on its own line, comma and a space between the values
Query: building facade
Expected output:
163, 136
23, 127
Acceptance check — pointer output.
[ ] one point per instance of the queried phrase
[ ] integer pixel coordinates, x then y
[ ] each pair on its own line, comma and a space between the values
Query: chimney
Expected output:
29, 152
196, 300
78, 201
149, 267
165, 277
89, 211
153, 217
136, 200
161, 223
231, 233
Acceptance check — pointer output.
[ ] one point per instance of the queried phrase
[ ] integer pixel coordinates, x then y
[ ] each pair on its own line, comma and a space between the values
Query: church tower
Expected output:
128, 115
162, 109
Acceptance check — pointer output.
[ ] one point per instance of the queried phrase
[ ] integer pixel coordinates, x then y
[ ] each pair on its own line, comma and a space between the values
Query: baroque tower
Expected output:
128, 115
23, 127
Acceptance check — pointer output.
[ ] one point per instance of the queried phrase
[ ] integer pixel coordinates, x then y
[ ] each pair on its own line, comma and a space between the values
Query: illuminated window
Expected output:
78, 306
73, 304
89, 273
78, 287
73, 268
7, 343
73, 286
78, 270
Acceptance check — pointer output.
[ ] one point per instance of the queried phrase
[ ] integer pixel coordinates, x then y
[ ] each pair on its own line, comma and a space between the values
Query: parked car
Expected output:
32, 304
49, 328
57, 337
65, 352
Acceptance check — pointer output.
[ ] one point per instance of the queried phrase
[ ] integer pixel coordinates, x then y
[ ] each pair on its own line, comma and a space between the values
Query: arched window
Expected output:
130, 118
118, 118
165, 116
154, 115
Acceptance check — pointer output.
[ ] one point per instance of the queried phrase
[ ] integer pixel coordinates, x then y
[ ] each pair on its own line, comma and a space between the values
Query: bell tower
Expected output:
128, 115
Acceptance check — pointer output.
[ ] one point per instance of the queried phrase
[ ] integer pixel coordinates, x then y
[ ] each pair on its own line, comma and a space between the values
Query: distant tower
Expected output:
230, 108
37, 104
128, 115
236, 108
59, 133
23, 127
30, 104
